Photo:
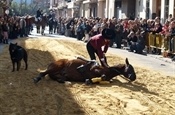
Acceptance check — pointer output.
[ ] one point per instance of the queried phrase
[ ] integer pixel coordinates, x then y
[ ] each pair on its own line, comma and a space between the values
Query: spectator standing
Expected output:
88, 28
5, 32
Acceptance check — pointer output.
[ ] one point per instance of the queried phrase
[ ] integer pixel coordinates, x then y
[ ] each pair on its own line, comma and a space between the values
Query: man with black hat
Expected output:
38, 14
95, 44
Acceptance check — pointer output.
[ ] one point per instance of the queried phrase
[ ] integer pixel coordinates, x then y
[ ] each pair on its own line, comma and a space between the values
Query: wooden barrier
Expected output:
166, 43
159, 42
151, 40
155, 40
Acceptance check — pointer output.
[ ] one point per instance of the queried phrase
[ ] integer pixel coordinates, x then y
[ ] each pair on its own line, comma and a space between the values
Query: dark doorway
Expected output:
131, 9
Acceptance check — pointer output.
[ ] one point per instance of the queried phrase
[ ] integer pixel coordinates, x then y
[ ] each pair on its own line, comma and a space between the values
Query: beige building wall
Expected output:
106, 8
111, 8
141, 8
124, 9
101, 6
171, 7
153, 5
80, 9
87, 10
69, 13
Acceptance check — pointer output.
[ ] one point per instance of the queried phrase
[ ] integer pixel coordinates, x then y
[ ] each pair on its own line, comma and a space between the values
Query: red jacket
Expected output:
98, 41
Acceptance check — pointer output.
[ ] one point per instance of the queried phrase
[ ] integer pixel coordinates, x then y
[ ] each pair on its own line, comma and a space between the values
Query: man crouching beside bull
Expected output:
95, 44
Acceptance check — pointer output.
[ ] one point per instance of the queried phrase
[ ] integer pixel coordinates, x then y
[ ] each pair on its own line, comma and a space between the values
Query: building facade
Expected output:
4, 5
114, 8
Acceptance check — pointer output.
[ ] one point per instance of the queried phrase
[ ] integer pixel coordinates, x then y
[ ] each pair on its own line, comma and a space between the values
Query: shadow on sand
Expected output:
27, 98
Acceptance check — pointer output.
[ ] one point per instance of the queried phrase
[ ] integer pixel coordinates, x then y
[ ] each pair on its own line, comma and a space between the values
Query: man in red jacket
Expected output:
95, 44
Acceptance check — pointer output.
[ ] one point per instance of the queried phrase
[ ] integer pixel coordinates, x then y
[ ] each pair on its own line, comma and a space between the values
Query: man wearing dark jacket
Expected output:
38, 14
171, 35
95, 44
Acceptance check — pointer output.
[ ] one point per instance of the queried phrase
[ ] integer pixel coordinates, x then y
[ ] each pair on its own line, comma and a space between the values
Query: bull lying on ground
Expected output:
80, 70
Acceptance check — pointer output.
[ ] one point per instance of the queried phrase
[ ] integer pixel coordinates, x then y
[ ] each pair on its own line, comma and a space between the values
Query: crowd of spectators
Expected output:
129, 33
12, 27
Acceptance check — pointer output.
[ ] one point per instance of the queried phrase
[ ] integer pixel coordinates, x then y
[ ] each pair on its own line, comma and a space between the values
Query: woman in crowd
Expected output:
5, 32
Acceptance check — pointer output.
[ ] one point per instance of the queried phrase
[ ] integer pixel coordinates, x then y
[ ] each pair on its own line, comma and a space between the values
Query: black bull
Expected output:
70, 70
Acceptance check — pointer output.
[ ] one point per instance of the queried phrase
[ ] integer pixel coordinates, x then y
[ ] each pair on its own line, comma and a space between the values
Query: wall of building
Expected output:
101, 6
86, 10
124, 8
108, 8
131, 8
111, 8
140, 8
93, 9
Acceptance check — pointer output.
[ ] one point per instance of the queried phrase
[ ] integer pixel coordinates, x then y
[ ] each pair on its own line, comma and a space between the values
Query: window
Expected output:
118, 4
68, 0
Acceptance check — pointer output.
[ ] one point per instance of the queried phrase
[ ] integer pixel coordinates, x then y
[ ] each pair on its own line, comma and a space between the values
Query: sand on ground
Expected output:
151, 94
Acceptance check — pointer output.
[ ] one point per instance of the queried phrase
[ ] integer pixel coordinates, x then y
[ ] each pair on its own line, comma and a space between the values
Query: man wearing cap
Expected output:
95, 44
38, 14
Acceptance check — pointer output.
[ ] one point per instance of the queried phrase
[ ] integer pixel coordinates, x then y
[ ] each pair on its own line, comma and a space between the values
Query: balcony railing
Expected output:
62, 4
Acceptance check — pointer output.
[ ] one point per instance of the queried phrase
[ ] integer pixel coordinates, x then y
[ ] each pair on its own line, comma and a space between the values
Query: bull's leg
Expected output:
60, 81
57, 77
39, 77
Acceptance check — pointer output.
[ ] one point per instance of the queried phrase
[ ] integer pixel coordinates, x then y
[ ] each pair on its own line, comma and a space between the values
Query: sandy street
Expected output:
151, 94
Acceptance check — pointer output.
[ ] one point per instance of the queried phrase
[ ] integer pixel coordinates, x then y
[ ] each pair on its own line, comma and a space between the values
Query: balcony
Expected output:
55, 5
73, 5
62, 4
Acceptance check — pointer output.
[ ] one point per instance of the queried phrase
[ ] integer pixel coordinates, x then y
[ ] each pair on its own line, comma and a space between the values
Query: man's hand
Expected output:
104, 63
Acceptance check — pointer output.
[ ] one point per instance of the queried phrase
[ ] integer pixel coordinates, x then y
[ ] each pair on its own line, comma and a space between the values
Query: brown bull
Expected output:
80, 70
